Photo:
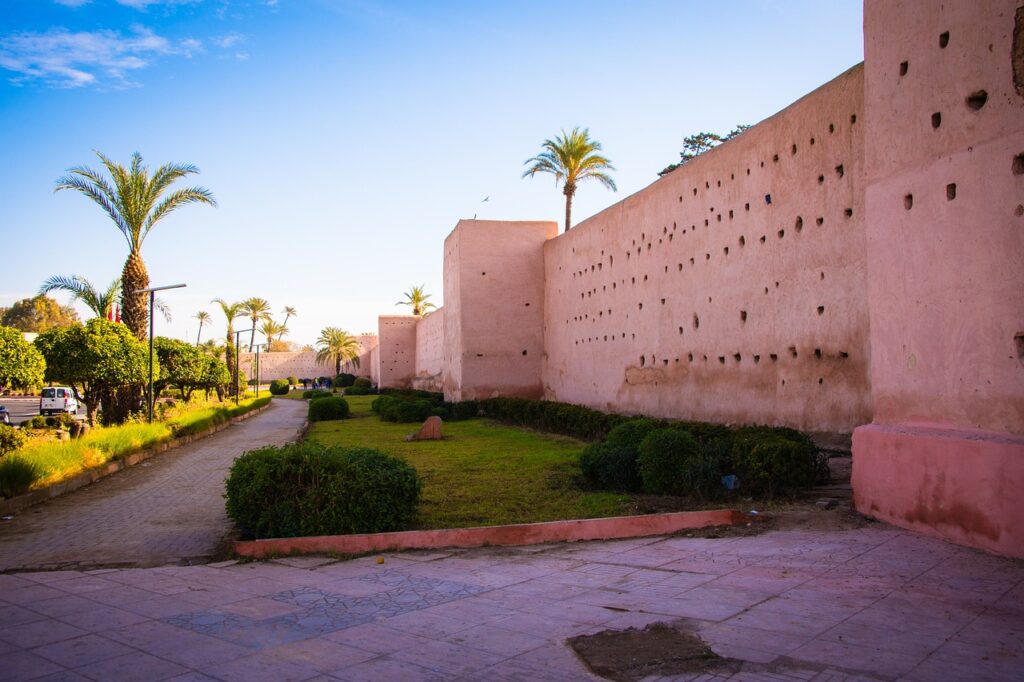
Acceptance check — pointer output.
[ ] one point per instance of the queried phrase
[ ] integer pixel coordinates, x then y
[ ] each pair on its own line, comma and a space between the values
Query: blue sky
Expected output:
344, 139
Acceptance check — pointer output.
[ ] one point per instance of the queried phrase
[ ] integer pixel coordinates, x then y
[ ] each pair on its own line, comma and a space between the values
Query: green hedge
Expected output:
402, 409
309, 489
362, 382
358, 390
315, 393
569, 420
344, 380
279, 387
672, 462
328, 409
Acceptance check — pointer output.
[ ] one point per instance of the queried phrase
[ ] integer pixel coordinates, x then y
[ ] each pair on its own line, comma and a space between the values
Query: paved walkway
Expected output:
873, 603
164, 510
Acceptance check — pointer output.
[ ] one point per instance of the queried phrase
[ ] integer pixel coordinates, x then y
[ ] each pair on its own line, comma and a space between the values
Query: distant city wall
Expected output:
303, 364
430, 352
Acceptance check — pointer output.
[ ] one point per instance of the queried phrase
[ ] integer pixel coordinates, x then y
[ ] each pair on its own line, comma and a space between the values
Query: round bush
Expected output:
292, 381
775, 465
279, 387
630, 434
358, 390
672, 463
309, 489
344, 380
328, 409
362, 382
611, 467
10, 439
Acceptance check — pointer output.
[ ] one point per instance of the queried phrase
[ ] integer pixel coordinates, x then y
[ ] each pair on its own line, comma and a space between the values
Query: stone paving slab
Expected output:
858, 605
169, 508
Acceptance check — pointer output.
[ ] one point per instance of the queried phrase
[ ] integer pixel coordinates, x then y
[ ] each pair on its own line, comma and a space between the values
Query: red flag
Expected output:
117, 315
110, 313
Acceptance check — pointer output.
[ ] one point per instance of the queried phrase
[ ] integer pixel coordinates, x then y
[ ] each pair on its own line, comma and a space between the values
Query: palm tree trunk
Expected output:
199, 333
286, 316
569, 191
135, 312
252, 337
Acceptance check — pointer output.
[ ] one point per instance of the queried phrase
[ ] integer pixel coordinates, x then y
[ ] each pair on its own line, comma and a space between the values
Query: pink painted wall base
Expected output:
519, 534
946, 483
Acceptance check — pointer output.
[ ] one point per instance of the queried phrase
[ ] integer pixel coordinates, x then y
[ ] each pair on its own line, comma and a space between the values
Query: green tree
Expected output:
695, 145
204, 319
289, 312
416, 299
21, 365
98, 301
135, 201
96, 359
231, 311
269, 328
216, 377
337, 346
255, 309
38, 314
572, 158
181, 364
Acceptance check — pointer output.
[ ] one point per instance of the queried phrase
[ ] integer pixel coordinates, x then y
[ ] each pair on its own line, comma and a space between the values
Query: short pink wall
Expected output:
494, 303
430, 352
696, 298
495, 536
962, 486
283, 365
397, 347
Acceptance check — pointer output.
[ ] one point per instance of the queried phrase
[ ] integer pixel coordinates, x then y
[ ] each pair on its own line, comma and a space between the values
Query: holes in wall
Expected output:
908, 201
640, 306
680, 198
853, 119
819, 221
768, 199
831, 128
843, 354
680, 331
1017, 167
721, 359
746, 206
775, 158
743, 240
799, 223
774, 357
689, 357
812, 141
793, 352
730, 214
821, 380
483, 274
782, 233
821, 179
840, 170
763, 239
643, 360
817, 353
821, 308
743, 316
696, 321
794, 149
605, 338
1018, 342
706, 223
904, 67
679, 267
737, 357
936, 119
718, 183
725, 250
951, 191
694, 191
707, 185
757, 359
848, 213
718, 217
976, 100
663, 301
943, 39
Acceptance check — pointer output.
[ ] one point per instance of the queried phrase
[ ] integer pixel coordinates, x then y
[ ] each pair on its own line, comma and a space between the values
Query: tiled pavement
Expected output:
167, 509
873, 603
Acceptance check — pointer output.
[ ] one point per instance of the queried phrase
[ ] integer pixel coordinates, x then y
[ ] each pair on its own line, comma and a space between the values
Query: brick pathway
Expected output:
166, 509
873, 603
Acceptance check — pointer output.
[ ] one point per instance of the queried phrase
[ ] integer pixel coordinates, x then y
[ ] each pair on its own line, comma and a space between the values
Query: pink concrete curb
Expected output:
88, 476
617, 527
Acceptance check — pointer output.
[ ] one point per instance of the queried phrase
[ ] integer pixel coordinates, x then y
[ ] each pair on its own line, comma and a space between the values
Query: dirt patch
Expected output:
658, 649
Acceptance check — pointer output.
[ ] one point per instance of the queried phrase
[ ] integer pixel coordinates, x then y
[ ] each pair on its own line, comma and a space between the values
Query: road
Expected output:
22, 409
166, 510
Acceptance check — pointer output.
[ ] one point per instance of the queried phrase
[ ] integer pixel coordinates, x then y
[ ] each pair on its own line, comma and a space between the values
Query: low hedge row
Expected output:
411, 406
310, 489
315, 393
327, 408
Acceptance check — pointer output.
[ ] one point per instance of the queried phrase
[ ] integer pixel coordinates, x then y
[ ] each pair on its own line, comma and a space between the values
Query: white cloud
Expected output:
227, 40
61, 58
72, 3
145, 4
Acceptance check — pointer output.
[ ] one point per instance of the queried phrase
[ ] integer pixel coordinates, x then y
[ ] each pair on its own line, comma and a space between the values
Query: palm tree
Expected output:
255, 309
337, 346
231, 311
204, 319
135, 201
572, 158
417, 300
289, 312
269, 328
99, 302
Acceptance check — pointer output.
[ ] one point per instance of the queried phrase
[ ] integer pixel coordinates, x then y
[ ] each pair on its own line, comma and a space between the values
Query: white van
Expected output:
56, 399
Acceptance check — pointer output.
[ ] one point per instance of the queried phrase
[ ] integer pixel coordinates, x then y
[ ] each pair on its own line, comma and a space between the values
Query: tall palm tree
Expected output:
337, 346
231, 311
289, 312
269, 328
416, 299
98, 301
572, 158
255, 309
204, 319
135, 201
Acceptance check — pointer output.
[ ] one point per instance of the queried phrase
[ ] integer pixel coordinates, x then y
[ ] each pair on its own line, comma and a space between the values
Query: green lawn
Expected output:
482, 473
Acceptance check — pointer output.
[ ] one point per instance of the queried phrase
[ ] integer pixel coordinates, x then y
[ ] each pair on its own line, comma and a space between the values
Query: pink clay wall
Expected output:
430, 352
494, 308
945, 229
397, 358
301, 365
696, 298
367, 342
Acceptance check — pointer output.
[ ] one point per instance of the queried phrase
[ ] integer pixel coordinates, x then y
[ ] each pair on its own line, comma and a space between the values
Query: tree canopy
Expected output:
38, 314
21, 365
695, 145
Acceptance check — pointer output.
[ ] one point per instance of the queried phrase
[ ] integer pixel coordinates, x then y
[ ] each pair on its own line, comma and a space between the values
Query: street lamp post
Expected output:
238, 335
258, 346
152, 299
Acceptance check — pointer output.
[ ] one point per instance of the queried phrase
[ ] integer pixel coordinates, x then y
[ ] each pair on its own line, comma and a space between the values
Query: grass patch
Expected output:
482, 473
56, 460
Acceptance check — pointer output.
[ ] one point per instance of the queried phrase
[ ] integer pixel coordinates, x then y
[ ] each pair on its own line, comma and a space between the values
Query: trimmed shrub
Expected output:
467, 409
292, 381
10, 439
279, 387
671, 462
315, 393
362, 382
328, 409
36, 422
569, 420
776, 461
358, 390
309, 489
630, 434
344, 380
611, 467
402, 409
16, 476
